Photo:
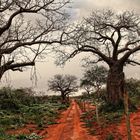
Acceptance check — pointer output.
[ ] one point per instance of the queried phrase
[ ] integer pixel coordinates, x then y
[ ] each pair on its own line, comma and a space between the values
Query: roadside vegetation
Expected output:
20, 108
109, 115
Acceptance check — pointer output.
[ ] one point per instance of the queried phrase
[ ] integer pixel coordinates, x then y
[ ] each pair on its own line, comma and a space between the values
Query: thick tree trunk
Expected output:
115, 85
63, 96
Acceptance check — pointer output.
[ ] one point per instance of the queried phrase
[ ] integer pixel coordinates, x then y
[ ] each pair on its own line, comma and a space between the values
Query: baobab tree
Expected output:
64, 84
27, 30
113, 38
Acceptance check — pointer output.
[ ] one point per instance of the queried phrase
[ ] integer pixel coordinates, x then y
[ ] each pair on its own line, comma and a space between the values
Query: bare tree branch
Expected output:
28, 29
104, 33
65, 84
132, 62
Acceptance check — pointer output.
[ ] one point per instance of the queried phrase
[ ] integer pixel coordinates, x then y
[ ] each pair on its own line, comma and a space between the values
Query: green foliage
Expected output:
63, 106
133, 88
51, 122
54, 99
106, 107
32, 136
38, 113
88, 117
7, 137
4, 136
112, 117
25, 96
9, 104
14, 120
13, 98
110, 137
21, 137
2, 131
111, 113
19, 107
94, 77
93, 80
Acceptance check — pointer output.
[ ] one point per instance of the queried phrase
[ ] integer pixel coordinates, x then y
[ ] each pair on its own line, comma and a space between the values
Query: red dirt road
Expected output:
69, 126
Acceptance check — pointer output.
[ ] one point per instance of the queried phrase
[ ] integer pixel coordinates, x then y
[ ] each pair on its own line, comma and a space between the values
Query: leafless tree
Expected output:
111, 38
65, 84
27, 30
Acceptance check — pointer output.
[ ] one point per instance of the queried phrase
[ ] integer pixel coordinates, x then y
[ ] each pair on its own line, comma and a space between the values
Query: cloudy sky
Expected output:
46, 69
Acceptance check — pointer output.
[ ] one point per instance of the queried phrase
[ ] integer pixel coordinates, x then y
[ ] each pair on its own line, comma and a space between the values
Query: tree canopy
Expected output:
93, 78
113, 38
27, 29
64, 84
108, 35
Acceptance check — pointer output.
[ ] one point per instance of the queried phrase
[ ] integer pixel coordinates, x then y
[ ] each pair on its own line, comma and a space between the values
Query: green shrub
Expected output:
7, 137
106, 107
135, 100
20, 106
13, 121
32, 136
9, 104
112, 116
110, 137
63, 106
54, 99
22, 137
2, 131
51, 122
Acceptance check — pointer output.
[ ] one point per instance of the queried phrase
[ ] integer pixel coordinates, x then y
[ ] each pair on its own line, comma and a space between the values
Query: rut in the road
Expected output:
70, 127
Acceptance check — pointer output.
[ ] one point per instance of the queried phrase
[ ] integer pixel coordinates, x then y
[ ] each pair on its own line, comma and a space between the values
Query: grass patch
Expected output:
20, 107
32, 136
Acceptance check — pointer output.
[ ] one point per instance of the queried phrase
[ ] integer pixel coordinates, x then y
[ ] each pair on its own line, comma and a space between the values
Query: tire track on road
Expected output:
70, 126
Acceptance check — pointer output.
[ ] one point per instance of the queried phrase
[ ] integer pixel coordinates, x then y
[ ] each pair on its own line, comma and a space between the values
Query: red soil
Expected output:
69, 127
29, 128
135, 126
119, 130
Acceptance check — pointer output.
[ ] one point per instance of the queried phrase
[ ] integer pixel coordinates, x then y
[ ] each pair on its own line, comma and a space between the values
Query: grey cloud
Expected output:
79, 9
84, 7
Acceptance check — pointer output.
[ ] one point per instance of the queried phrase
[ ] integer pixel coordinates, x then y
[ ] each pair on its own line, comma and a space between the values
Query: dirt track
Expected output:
69, 127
